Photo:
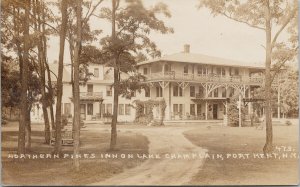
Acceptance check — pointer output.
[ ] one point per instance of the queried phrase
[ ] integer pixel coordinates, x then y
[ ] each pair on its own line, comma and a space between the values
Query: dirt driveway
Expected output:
164, 171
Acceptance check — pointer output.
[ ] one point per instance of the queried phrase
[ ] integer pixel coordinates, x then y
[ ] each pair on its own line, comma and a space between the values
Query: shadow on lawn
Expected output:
252, 171
61, 171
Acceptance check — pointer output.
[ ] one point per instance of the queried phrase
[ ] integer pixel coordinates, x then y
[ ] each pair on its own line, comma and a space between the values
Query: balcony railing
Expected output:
91, 95
204, 78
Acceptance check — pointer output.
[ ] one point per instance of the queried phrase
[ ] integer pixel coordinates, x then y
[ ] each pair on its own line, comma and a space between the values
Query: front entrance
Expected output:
215, 111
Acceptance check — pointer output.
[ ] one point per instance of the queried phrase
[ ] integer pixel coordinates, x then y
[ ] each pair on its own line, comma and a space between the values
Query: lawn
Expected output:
251, 171
60, 171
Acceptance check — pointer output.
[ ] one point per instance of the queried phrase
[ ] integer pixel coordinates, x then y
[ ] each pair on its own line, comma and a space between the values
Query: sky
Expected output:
215, 36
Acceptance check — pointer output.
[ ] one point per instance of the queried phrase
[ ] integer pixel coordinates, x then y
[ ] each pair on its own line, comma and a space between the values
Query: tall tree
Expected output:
59, 90
131, 25
39, 19
272, 17
76, 99
24, 81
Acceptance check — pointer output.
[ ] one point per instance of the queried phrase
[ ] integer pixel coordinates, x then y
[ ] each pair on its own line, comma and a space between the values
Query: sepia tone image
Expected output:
149, 92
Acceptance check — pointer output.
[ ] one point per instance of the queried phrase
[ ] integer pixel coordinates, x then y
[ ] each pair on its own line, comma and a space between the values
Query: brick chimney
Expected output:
186, 48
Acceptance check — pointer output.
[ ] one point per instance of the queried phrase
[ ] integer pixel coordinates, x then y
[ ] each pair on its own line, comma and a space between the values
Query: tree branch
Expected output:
287, 21
241, 21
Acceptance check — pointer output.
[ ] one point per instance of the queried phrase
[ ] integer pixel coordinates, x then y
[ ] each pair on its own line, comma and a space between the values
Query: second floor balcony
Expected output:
174, 76
91, 96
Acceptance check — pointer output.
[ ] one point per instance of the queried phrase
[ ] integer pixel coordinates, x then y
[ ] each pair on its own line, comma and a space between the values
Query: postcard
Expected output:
149, 92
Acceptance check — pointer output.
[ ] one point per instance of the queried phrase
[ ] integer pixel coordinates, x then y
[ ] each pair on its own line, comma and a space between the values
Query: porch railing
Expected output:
91, 94
205, 78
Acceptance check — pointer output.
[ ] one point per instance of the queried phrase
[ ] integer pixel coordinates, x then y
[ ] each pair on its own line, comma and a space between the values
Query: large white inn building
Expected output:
194, 86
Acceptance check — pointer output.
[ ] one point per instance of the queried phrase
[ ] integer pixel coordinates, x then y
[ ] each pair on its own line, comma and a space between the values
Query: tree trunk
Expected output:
24, 81
28, 131
50, 91
113, 139
42, 60
57, 149
76, 98
47, 124
268, 148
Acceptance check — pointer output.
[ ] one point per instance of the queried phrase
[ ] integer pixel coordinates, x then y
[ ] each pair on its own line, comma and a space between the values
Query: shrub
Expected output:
233, 113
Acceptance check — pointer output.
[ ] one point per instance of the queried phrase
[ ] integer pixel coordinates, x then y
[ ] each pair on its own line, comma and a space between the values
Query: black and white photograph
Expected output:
149, 92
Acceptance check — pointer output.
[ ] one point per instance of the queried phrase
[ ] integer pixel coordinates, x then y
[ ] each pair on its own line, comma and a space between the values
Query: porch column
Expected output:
205, 110
226, 108
278, 102
249, 103
240, 112
170, 105
100, 110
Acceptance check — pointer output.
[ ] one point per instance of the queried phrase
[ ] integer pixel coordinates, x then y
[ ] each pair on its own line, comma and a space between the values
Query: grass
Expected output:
223, 140
61, 171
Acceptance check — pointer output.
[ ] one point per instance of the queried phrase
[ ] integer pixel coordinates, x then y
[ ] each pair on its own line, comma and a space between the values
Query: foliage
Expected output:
144, 111
290, 93
233, 112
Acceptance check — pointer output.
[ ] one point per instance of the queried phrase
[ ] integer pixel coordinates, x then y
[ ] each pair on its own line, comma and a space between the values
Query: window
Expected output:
178, 109
103, 108
96, 72
127, 109
167, 68
186, 69
90, 88
201, 69
180, 91
198, 109
108, 91
109, 108
177, 91
181, 109
223, 72
216, 92
145, 71
218, 71
67, 108
236, 71
223, 92
192, 91
175, 109
90, 109
159, 91
121, 109
210, 94
192, 109
201, 91
147, 92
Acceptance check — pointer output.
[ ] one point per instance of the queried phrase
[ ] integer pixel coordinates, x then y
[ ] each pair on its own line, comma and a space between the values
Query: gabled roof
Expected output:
185, 57
54, 72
